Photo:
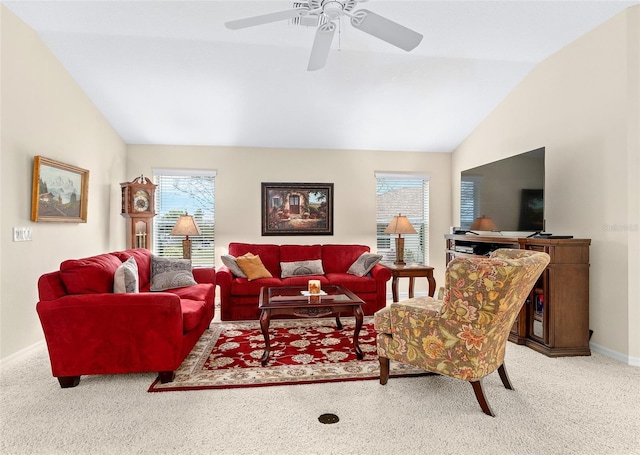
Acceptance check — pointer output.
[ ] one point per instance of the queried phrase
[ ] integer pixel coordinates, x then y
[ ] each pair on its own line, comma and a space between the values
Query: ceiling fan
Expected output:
328, 13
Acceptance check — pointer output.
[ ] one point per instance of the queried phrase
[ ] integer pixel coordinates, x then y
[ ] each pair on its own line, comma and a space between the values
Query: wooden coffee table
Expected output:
289, 300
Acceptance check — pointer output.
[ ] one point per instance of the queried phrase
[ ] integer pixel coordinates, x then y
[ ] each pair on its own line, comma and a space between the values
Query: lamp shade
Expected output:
483, 223
185, 225
400, 225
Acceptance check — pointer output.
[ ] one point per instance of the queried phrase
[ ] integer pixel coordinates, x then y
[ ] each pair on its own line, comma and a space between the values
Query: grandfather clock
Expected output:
138, 207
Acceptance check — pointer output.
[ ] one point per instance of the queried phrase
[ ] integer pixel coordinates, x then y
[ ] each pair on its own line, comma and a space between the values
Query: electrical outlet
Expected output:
22, 234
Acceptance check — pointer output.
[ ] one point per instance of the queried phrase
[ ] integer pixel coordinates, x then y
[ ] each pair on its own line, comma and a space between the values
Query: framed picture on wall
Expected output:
59, 192
297, 208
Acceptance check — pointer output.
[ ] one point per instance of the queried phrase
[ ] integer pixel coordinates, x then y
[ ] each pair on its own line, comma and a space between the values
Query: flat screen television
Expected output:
510, 192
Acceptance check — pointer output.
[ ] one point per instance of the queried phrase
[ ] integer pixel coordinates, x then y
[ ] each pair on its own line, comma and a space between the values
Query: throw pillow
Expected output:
253, 267
125, 280
170, 273
232, 265
302, 268
364, 264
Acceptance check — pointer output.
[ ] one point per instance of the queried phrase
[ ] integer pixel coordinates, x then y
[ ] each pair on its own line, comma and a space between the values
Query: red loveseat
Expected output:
239, 296
89, 329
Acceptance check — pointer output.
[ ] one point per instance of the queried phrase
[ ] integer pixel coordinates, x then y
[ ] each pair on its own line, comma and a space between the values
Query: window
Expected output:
179, 192
406, 194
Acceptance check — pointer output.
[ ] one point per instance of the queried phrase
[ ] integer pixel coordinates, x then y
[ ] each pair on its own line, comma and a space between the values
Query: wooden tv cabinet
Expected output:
555, 317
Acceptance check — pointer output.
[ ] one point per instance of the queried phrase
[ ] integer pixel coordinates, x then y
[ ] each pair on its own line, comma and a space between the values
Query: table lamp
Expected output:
400, 225
483, 223
186, 226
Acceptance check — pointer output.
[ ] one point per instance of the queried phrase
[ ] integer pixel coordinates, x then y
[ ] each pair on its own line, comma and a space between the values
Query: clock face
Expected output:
141, 201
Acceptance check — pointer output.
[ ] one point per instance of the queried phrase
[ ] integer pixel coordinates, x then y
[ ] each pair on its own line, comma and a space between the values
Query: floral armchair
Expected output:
465, 334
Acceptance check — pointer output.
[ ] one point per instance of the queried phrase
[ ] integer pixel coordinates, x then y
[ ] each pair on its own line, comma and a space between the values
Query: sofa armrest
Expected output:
112, 333
204, 275
224, 277
381, 273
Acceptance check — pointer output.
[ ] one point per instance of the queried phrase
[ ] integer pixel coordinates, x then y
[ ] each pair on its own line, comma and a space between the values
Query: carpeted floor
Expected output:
302, 351
572, 405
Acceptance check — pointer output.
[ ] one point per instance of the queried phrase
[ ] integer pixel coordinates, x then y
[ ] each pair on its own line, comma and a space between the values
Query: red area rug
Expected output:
302, 351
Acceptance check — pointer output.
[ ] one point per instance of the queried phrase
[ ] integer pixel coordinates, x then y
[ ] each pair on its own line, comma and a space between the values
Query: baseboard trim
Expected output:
22, 353
629, 360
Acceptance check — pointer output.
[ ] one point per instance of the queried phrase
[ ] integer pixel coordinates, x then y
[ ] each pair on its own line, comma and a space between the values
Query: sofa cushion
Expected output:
364, 264
170, 273
301, 268
253, 267
269, 254
242, 286
304, 280
90, 275
192, 313
338, 258
143, 260
354, 283
125, 280
232, 265
201, 291
291, 253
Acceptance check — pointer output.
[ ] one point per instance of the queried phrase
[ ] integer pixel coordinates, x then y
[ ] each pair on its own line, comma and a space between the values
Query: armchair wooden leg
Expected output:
502, 371
166, 376
384, 369
482, 401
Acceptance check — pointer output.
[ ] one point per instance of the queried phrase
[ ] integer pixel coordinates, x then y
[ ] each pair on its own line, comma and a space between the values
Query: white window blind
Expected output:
406, 194
181, 191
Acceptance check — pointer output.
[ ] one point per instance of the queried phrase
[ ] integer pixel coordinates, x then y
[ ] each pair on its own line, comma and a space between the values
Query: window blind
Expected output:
181, 191
406, 194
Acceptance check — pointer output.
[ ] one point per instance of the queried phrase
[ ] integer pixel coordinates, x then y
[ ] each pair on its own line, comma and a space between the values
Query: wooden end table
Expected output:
410, 271
289, 300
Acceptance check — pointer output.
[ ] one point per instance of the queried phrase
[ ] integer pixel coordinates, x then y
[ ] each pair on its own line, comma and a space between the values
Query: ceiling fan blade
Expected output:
266, 18
321, 46
386, 30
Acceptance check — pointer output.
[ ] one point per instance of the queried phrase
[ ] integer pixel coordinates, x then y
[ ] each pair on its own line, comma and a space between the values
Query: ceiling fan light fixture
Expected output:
333, 9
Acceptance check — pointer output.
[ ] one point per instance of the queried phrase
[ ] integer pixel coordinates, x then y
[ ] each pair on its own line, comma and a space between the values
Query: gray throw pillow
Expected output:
364, 264
125, 280
232, 265
302, 268
170, 273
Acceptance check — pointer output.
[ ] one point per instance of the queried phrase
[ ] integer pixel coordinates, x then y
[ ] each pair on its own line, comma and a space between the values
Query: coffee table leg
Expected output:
338, 322
265, 317
357, 312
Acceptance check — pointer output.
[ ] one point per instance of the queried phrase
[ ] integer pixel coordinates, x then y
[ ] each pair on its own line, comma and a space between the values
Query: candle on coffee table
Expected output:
314, 286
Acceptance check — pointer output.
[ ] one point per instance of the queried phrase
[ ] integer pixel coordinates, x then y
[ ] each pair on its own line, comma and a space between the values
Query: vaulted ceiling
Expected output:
169, 72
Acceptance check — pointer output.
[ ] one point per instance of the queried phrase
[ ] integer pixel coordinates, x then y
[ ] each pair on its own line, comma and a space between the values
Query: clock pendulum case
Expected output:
138, 207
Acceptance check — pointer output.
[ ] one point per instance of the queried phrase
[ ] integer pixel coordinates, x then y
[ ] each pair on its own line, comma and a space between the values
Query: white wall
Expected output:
44, 112
582, 104
240, 172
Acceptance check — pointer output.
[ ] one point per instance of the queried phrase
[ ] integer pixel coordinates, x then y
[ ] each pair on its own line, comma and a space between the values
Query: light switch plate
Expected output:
22, 234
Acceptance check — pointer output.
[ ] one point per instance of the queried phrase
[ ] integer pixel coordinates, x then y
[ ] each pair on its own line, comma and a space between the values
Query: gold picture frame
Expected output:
60, 192
297, 209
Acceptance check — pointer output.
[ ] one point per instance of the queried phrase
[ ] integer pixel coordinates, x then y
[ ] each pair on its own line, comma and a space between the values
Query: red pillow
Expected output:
89, 275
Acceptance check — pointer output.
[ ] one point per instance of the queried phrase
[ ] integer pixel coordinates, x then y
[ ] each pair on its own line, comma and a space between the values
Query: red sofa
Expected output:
91, 330
239, 296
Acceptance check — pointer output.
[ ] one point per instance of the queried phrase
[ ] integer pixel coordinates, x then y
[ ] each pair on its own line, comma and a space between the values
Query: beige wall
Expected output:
240, 172
582, 104
44, 112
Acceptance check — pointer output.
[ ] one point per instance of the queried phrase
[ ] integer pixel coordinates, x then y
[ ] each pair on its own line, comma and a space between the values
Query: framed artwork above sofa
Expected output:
297, 208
